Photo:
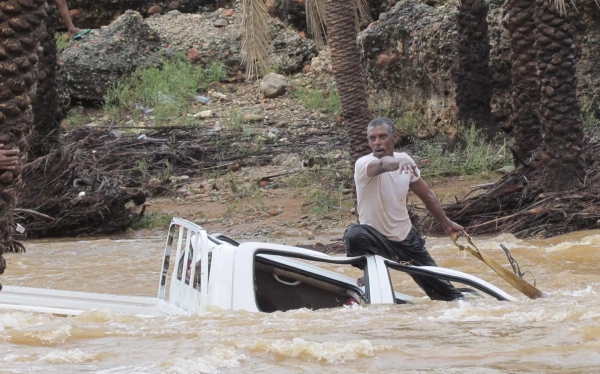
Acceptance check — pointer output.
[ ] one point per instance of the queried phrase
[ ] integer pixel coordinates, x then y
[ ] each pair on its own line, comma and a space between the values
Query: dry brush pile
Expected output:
93, 184
519, 204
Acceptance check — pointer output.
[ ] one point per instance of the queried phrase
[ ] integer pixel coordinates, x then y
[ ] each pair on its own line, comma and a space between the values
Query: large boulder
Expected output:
97, 13
217, 36
273, 85
90, 66
410, 58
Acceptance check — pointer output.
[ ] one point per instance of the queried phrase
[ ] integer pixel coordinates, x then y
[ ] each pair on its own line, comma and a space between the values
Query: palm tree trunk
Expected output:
526, 90
46, 125
19, 21
559, 114
348, 73
473, 76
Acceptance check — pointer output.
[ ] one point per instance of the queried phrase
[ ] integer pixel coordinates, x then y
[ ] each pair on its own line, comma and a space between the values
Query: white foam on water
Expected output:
220, 358
330, 352
476, 312
105, 315
43, 335
14, 320
71, 356
591, 240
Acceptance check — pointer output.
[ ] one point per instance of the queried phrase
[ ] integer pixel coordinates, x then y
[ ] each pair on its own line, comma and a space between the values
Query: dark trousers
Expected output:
365, 240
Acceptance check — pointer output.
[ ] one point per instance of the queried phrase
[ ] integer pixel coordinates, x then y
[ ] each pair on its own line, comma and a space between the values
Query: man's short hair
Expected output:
382, 121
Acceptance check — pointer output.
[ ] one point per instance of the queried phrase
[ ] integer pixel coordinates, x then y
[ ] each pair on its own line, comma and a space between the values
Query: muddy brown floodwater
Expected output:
558, 334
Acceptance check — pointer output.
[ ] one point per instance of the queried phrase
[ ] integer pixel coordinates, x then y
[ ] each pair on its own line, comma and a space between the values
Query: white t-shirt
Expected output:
382, 199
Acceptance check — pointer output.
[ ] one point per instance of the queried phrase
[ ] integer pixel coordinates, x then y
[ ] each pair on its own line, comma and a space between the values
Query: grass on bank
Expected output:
167, 91
323, 185
473, 154
62, 39
326, 101
152, 220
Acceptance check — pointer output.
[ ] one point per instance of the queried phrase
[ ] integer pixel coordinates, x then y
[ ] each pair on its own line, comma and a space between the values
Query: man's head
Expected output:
382, 136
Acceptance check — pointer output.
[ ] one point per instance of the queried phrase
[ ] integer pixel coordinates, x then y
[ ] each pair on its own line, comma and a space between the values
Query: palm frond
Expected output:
316, 20
362, 13
561, 6
257, 38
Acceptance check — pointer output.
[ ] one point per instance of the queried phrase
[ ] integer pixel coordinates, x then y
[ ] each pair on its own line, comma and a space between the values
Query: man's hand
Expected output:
453, 227
408, 166
389, 163
8, 158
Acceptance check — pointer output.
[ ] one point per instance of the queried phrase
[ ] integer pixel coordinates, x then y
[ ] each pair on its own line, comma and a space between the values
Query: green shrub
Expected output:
62, 39
168, 89
474, 154
152, 220
324, 101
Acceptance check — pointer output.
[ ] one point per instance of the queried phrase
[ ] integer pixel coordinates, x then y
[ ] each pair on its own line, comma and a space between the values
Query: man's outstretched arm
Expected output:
433, 205
389, 163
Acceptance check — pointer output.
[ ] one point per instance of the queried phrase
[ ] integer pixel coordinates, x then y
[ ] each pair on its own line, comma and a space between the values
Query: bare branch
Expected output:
257, 38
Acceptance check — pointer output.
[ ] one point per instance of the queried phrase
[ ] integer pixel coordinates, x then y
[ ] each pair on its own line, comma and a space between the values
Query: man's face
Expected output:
381, 141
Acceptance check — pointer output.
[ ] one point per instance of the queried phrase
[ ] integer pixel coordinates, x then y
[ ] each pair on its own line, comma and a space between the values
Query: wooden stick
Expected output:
34, 213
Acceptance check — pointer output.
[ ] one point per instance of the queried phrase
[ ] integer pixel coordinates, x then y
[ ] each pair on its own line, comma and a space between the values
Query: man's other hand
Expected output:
8, 158
453, 227
408, 166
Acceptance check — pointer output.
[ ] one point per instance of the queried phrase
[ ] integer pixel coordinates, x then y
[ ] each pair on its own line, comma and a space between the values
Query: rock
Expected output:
184, 178
423, 40
218, 95
322, 63
252, 118
274, 212
383, 16
155, 9
204, 114
200, 221
96, 13
289, 51
506, 169
306, 69
234, 167
89, 68
273, 85
383, 60
372, 24
221, 22
193, 55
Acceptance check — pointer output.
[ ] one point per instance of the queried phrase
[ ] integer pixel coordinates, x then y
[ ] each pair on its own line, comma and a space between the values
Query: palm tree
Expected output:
19, 22
561, 128
525, 88
348, 74
473, 75
45, 108
341, 25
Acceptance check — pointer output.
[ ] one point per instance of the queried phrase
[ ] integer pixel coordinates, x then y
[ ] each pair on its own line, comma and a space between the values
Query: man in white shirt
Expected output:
383, 179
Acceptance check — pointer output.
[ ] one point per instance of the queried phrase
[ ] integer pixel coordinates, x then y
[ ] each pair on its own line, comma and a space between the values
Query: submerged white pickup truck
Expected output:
209, 272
